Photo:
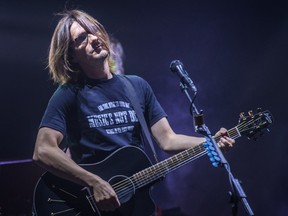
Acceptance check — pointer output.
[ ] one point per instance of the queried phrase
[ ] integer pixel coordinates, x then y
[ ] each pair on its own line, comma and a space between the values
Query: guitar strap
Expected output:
131, 92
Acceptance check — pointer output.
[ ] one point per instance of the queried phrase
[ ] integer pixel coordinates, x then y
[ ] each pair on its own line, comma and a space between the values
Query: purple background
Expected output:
235, 52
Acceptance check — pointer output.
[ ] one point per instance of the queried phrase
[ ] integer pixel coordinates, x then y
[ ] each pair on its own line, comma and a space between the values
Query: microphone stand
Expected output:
237, 193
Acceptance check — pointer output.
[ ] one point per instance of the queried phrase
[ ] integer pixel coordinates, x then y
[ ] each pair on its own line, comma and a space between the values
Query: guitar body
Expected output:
56, 196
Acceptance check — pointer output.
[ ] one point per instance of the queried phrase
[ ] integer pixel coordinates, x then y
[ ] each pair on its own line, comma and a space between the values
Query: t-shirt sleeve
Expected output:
59, 109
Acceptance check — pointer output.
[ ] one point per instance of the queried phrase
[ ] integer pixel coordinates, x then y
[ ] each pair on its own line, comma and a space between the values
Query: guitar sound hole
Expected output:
123, 186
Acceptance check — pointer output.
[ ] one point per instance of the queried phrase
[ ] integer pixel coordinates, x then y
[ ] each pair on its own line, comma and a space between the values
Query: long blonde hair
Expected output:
61, 68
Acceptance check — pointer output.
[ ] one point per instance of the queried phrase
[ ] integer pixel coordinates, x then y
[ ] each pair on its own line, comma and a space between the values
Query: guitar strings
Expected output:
124, 187
142, 178
233, 133
162, 166
124, 183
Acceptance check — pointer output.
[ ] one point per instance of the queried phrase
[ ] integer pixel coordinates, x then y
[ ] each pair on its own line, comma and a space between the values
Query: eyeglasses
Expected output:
81, 39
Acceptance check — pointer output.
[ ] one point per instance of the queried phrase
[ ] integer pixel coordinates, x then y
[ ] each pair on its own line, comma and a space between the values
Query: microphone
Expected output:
177, 67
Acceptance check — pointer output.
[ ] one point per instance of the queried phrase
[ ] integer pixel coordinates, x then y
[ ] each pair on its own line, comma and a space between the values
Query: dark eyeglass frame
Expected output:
81, 39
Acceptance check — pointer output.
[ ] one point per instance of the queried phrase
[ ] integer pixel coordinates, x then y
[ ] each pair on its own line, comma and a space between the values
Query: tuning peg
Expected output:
259, 109
242, 116
250, 113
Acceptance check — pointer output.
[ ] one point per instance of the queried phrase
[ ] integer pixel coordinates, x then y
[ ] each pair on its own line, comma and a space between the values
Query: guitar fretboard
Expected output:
164, 167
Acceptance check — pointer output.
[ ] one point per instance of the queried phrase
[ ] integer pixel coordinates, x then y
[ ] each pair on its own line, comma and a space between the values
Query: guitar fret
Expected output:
170, 162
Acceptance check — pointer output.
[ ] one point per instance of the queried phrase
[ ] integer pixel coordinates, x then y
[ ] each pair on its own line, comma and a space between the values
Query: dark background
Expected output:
235, 52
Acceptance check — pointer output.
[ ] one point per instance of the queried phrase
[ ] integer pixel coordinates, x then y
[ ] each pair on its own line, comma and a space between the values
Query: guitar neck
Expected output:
164, 167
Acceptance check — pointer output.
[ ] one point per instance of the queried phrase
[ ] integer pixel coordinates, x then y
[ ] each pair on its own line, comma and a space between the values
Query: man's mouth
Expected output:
97, 49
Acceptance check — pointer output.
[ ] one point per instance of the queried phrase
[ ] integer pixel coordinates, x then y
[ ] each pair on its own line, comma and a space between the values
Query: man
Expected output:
91, 112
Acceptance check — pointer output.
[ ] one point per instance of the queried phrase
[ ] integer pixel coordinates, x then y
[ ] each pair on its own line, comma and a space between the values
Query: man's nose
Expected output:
93, 38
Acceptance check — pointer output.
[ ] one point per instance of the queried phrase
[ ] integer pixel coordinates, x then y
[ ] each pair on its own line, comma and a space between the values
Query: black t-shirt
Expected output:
97, 117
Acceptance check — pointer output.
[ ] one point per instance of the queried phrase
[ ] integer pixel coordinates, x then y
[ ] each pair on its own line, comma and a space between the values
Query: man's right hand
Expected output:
105, 196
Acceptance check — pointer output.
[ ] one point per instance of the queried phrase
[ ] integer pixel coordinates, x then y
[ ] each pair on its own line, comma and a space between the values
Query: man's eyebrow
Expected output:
80, 34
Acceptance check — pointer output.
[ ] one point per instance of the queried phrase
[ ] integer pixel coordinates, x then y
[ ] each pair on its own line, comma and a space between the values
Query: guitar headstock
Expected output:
254, 125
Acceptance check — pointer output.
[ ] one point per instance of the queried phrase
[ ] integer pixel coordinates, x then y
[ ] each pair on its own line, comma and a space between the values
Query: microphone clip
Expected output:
199, 122
177, 67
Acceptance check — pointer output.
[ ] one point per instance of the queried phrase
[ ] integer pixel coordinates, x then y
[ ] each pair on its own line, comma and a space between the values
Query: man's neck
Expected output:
100, 71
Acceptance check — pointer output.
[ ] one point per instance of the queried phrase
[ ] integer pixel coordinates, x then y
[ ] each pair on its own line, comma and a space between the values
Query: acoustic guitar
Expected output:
131, 174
